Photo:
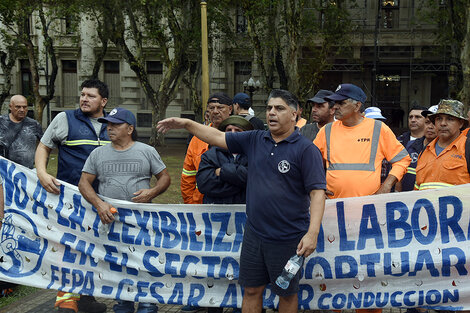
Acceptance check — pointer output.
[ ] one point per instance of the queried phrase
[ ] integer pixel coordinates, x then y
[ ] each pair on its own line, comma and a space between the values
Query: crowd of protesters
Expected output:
283, 171
355, 144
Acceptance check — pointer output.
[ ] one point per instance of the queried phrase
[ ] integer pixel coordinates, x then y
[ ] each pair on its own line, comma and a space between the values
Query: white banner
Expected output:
394, 250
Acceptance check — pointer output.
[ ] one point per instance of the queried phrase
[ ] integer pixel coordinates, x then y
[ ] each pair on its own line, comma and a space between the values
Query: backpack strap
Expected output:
249, 117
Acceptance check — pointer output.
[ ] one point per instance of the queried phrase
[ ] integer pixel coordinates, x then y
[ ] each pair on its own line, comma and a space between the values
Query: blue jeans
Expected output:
123, 306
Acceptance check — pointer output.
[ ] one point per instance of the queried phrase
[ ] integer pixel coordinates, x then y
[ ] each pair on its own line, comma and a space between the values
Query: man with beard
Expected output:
75, 133
323, 112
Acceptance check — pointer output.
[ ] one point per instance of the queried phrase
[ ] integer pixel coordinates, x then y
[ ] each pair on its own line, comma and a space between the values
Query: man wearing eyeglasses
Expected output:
219, 107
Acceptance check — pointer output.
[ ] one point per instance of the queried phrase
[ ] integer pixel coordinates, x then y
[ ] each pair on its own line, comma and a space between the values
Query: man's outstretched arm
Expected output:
210, 135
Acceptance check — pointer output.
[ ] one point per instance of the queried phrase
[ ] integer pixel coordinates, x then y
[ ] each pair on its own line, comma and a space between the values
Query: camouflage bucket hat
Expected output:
450, 107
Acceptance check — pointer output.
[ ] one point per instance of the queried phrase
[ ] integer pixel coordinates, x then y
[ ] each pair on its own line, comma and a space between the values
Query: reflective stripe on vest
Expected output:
189, 173
68, 296
432, 185
87, 142
374, 145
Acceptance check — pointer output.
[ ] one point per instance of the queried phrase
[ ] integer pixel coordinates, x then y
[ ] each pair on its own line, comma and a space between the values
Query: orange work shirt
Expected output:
189, 191
449, 168
301, 122
354, 156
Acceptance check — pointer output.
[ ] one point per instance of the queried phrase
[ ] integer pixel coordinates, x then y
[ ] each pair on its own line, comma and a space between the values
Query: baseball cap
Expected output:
236, 120
348, 91
375, 113
320, 96
431, 110
220, 97
119, 116
241, 98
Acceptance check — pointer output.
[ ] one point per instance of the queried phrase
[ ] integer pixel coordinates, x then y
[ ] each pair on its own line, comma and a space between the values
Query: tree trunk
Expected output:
38, 102
7, 61
293, 17
191, 81
465, 61
157, 139
99, 59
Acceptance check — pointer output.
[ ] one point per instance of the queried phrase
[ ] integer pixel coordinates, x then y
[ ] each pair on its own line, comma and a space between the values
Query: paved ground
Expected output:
43, 300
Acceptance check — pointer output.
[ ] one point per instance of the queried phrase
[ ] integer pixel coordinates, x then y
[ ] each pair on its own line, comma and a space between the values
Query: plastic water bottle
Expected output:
104, 228
289, 271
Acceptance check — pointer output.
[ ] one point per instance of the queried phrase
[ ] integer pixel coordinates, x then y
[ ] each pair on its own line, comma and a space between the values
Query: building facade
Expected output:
395, 59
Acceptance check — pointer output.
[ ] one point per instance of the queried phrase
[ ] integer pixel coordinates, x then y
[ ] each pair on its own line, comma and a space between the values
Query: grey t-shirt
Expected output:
22, 148
121, 173
58, 130
310, 131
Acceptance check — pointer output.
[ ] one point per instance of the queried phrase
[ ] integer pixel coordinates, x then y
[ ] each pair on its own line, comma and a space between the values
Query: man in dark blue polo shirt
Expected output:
285, 196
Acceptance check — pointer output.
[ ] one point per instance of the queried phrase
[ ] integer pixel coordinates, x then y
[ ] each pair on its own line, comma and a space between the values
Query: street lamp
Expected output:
251, 86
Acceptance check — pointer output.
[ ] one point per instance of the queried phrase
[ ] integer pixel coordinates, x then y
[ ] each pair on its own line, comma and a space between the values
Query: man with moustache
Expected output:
323, 112
443, 162
219, 107
75, 133
118, 160
285, 197
354, 146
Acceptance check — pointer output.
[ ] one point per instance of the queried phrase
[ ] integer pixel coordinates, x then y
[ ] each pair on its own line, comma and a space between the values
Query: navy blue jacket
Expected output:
230, 186
81, 140
414, 149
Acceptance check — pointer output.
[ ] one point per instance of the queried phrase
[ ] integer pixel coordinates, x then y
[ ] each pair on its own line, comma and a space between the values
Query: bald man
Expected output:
19, 134
18, 137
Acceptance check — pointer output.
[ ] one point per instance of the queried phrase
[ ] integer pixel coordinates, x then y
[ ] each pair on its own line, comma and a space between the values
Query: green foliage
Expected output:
452, 37
450, 16
325, 29
308, 32
18, 294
